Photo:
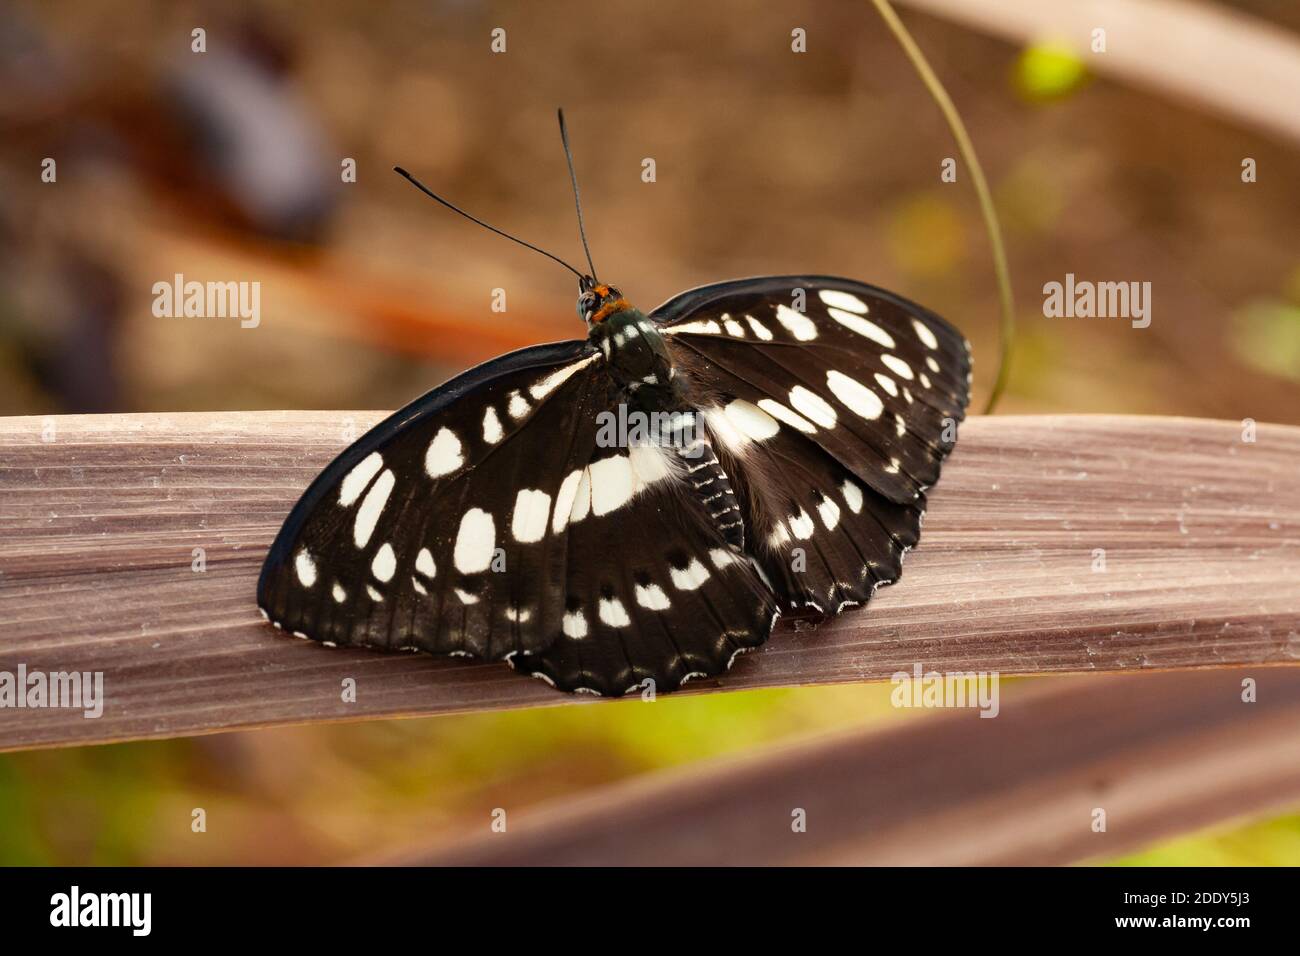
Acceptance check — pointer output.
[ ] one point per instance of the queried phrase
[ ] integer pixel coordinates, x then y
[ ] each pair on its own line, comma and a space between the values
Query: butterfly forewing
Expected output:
878, 382
433, 532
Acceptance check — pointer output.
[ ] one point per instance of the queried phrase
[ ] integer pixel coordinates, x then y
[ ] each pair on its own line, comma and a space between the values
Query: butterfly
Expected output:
639, 505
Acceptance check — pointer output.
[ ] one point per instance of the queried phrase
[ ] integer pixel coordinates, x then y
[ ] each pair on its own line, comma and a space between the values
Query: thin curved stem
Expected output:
1007, 327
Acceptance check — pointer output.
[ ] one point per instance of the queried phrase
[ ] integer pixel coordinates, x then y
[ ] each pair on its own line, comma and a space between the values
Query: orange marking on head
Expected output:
609, 308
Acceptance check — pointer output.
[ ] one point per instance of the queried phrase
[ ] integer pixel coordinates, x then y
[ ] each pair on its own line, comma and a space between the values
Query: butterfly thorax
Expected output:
638, 360
636, 355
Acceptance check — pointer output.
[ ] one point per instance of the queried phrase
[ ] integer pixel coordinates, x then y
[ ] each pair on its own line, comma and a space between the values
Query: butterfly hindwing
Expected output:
663, 598
824, 539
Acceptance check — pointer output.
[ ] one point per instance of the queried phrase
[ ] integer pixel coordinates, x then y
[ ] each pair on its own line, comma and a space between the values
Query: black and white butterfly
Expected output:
800, 420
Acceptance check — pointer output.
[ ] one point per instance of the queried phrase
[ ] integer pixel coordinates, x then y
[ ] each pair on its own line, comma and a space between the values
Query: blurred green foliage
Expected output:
1267, 843
1048, 71
1265, 334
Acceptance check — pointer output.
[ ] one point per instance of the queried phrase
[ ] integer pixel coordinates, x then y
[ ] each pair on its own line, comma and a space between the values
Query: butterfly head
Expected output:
598, 301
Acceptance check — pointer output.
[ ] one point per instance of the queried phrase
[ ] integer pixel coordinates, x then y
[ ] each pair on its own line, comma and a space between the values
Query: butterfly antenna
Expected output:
573, 177
454, 208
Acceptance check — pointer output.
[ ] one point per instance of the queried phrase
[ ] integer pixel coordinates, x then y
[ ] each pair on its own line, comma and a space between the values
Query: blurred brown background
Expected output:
226, 165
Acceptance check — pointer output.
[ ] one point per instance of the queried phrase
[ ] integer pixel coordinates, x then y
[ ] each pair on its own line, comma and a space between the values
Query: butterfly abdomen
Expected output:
711, 487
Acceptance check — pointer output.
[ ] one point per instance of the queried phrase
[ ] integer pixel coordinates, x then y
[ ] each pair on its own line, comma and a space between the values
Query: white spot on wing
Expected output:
750, 420
652, 597
340, 595
924, 334
691, 577
475, 542
384, 564
733, 327
532, 508
759, 329
700, 327
612, 484
855, 396
558, 378
518, 406
931, 364
613, 613
443, 456
887, 384
564, 500
830, 513
582, 499
492, 431
722, 428
897, 366
796, 323
721, 558
357, 479
842, 300
575, 625
802, 524
813, 406
372, 506
424, 563
305, 567
864, 327
852, 496
779, 411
